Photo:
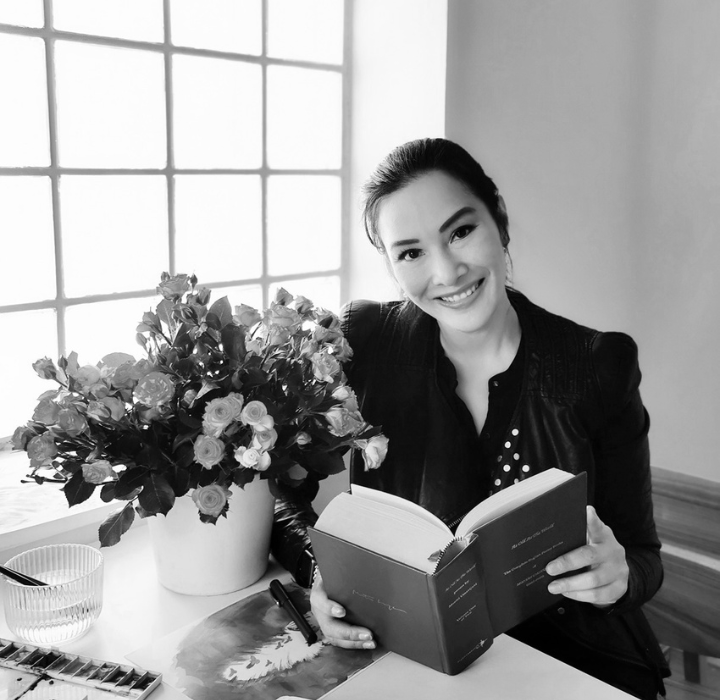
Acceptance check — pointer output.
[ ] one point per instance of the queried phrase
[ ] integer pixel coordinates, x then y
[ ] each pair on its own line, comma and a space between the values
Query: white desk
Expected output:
137, 610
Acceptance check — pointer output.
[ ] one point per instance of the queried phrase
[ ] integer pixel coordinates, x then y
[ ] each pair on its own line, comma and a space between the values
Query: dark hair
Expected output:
413, 159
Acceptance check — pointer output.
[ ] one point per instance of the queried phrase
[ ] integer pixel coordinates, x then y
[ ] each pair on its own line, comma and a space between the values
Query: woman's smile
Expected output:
457, 298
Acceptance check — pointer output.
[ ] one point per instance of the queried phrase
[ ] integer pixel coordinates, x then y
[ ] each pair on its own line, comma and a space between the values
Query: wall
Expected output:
601, 124
398, 94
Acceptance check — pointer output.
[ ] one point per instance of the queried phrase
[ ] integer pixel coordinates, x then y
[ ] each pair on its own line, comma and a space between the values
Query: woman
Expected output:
476, 387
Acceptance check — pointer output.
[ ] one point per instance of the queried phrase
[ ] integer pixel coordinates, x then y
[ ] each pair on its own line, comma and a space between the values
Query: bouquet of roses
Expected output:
220, 398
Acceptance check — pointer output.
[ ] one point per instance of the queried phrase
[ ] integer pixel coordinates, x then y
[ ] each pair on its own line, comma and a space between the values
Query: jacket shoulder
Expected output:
568, 358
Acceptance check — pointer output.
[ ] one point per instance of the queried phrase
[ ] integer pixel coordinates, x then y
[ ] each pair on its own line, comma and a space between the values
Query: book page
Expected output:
399, 502
510, 498
398, 533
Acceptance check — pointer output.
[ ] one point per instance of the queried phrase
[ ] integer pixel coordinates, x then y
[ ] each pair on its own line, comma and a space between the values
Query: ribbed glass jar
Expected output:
71, 601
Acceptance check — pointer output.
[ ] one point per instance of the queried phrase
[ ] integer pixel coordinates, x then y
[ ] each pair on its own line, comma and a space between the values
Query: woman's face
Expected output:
444, 249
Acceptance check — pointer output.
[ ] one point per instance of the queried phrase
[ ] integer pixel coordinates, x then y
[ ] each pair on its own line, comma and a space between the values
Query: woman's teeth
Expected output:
463, 295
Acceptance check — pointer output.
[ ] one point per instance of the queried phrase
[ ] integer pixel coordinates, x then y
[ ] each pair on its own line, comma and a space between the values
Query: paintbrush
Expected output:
20, 578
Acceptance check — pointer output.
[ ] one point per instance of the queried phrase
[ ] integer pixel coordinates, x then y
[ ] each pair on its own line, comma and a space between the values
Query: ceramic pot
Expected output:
198, 558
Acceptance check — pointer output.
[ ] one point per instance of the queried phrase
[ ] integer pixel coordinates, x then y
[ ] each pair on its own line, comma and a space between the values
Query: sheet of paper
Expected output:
251, 649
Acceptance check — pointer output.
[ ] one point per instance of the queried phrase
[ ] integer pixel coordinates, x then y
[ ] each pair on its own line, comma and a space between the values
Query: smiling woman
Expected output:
478, 388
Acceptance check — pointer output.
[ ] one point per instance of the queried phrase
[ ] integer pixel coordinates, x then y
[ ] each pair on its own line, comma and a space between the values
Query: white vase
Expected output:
199, 558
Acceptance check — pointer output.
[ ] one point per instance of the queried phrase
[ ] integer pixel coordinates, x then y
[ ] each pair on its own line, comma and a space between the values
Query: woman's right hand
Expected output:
329, 616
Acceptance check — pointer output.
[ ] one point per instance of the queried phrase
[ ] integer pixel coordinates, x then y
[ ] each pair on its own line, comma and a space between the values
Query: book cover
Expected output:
439, 620
448, 618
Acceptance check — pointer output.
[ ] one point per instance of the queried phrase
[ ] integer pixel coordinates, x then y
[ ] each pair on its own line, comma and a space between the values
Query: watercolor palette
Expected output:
28, 672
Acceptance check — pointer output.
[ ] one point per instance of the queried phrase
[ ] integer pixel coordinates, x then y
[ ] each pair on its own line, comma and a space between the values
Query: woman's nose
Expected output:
446, 269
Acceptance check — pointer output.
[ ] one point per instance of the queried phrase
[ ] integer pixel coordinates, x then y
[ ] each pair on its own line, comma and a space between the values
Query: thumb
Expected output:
595, 526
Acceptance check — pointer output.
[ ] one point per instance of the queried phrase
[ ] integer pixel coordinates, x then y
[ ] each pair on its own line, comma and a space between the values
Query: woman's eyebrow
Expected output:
457, 215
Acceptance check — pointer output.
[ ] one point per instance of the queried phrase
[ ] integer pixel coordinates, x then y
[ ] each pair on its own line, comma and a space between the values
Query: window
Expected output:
138, 136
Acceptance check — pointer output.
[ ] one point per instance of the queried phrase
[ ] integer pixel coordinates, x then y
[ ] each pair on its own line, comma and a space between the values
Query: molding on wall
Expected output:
687, 510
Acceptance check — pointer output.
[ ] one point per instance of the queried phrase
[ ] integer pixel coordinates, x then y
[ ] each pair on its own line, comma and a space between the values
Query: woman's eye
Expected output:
409, 254
463, 232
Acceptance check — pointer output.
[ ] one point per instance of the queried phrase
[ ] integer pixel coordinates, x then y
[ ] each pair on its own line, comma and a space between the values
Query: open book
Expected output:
404, 531
379, 553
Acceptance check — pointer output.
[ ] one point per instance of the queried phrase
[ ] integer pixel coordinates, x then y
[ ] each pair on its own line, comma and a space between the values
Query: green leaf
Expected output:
116, 525
233, 340
222, 309
157, 495
77, 489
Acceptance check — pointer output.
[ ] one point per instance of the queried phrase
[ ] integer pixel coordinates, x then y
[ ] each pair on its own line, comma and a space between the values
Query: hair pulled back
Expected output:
413, 159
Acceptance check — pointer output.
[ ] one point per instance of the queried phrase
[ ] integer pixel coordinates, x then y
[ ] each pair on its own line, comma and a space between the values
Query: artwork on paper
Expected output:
251, 649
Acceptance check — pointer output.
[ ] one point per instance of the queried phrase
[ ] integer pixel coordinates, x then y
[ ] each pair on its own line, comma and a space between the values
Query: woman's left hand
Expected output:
606, 579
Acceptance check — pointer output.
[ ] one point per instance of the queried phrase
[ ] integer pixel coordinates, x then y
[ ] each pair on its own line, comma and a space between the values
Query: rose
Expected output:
344, 422
173, 287
98, 411
342, 350
347, 396
41, 449
308, 348
219, 413
252, 458
208, 451
374, 451
87, 375
97, 472
45, 368
325, 366
246, 315
303, 305
256, 414
282, 316
115, 406
264, 439
20, 437
46, 412
211, 500
71, 422
154, 389
124, 376
283, 297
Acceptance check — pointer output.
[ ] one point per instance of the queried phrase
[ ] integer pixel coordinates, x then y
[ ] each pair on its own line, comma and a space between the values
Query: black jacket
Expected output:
579, 410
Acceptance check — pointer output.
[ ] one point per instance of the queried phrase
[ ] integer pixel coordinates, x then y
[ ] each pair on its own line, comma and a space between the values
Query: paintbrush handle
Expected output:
20, 578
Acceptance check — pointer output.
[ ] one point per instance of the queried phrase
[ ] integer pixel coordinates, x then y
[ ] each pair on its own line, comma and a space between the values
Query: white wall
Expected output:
398, 94
600, 122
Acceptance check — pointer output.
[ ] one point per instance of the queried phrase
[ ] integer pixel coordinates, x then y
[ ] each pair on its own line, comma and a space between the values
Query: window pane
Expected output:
21, 386
218, 223
141, 20
304, 118
27, 241
24, 13
217, 113
227, 25
24, 139
114, 232
303, 223
322, 291
309, 30
117, 321
110, 107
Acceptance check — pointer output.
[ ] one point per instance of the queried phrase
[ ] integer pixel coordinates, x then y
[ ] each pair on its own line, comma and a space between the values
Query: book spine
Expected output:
459, 611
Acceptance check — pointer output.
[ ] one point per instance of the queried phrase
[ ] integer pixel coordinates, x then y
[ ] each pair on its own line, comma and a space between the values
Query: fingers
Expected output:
329, 614
602, 570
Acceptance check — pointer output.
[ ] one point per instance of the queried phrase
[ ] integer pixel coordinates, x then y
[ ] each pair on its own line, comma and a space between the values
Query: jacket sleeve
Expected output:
623, 488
